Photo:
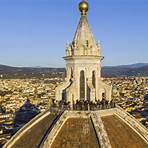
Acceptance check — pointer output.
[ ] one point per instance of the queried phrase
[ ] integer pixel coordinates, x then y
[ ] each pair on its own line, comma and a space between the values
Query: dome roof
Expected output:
76, 129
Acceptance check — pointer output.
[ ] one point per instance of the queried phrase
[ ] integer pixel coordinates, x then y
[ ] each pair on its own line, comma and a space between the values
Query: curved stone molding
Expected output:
141, 130
50, 138
100, 130
27, 127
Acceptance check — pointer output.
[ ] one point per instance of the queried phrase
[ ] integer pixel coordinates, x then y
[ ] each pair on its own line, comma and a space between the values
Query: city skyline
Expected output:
30, 31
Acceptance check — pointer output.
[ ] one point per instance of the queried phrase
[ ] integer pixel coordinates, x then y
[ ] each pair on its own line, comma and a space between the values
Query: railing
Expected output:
84, 106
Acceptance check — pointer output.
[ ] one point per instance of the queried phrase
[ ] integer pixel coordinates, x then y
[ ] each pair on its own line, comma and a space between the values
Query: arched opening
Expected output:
88, 93
94, 79
71, 73
82, 85
102, 93
64, 95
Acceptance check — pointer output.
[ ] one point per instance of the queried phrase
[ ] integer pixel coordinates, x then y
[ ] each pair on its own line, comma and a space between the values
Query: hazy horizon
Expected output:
65, 65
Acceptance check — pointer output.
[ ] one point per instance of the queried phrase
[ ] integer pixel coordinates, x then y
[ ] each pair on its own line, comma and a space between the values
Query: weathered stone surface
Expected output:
100, 130
32, 137
76, 132
121, 135
83, 129
131, 121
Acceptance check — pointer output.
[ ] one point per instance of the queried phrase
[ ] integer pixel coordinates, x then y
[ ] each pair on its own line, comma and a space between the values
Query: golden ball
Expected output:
83, 7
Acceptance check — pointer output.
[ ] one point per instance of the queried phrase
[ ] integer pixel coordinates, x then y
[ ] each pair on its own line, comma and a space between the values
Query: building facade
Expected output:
83, 66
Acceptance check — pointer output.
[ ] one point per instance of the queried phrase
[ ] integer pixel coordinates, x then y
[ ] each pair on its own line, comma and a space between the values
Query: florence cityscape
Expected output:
84, 104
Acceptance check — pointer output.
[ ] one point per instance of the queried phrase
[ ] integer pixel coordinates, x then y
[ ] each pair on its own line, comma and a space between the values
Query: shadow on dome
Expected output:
26, 112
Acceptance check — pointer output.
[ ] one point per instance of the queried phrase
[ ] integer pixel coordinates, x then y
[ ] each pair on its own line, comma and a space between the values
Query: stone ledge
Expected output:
133, 123
100, 130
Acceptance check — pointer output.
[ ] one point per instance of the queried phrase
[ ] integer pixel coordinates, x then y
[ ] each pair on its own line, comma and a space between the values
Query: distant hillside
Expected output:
138, 69
136, 65
29, 72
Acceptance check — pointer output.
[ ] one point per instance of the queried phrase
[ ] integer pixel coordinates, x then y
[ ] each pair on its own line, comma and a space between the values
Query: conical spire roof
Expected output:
84, 43
84, 34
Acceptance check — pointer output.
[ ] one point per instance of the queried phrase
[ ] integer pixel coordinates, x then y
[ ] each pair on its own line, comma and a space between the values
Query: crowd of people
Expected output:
84, 105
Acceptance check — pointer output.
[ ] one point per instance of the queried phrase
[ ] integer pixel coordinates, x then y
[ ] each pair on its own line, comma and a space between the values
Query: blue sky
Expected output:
35, 32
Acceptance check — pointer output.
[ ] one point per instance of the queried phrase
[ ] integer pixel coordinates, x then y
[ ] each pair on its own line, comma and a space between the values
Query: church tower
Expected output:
83, 66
